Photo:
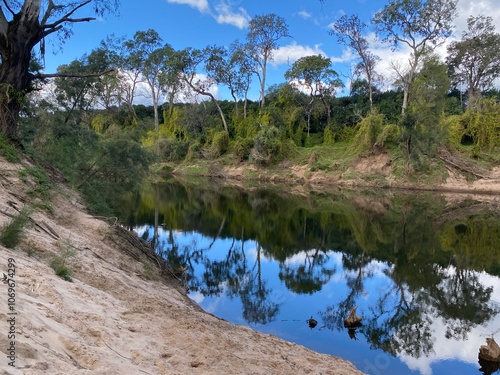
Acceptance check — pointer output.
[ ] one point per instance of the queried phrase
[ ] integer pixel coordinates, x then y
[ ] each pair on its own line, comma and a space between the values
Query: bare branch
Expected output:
8, 7
66, 17
59, 22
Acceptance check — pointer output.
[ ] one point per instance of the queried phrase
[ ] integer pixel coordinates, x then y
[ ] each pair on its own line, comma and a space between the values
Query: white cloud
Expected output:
467, 8
346, 57
224, 11
304, 14
226, 15
201, 5
465, 351
292, 52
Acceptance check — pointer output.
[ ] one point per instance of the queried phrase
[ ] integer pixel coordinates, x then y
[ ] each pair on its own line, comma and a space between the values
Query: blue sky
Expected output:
199, 23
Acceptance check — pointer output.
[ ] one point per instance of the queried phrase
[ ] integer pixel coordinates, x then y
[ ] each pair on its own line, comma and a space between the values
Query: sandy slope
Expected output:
118, 316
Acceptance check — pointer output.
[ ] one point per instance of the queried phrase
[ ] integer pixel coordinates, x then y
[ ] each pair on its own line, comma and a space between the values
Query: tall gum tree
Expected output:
315, 74
421, 25
262, 40
23, 26
201, 83
349, 32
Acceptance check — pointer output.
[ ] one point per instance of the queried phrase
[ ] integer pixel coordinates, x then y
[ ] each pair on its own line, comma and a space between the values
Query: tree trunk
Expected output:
206, 93
16, 43
263, 83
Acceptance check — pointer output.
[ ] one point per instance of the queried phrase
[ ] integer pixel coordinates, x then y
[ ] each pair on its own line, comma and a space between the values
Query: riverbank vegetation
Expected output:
439, 114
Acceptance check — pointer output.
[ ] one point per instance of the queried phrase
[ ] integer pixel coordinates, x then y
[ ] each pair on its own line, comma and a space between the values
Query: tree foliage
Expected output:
23, 26
264, 32
421, 25
475, 59
349, 31
315, 74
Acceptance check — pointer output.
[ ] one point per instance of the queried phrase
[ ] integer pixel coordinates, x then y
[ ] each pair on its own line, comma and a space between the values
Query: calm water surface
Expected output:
422, 270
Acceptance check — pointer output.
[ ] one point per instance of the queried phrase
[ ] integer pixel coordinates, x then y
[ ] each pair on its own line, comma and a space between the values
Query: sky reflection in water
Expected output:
426, 309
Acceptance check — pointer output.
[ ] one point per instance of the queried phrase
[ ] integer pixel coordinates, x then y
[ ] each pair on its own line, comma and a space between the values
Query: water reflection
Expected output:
414, 265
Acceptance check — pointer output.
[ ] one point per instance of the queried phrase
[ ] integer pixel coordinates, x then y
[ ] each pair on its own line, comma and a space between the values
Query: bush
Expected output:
218, 146
267, 145
194, 151
11, 233
313, 140
242, 148
369, 129
328, 137
172, 150
61, 263
9, 151
388, 135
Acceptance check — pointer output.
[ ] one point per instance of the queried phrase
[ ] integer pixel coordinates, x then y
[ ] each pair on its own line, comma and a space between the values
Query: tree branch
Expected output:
66, 17
3, 24
71, 75
8, 8
58, 23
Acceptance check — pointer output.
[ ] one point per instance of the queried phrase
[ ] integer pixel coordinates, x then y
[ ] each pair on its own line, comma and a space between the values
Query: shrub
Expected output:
172, 150
11, 233
61, 263
328, 137
194, 150
369, 129
218, 146
267, 145
242, 148
9, 151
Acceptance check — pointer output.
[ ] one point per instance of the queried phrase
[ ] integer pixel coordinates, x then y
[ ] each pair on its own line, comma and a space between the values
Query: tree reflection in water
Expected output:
430, 268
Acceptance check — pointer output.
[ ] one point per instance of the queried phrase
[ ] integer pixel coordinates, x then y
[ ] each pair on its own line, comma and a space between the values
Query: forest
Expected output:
84, 120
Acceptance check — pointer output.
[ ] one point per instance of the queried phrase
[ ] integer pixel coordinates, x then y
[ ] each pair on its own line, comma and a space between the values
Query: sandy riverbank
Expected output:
119, 315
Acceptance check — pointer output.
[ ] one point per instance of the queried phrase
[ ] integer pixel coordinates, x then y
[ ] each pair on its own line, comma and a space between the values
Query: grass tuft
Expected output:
11, 233
61, 263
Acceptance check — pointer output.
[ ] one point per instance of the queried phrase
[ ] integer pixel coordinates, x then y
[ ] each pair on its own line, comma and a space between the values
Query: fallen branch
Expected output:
446, 156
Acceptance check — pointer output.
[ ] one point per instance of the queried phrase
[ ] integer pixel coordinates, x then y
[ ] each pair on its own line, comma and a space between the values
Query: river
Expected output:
422, 270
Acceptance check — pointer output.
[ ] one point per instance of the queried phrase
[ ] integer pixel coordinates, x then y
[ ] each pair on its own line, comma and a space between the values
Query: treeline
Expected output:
86, 121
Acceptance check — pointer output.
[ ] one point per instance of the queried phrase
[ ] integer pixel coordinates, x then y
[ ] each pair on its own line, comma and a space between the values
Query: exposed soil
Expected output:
121, 314
374, 171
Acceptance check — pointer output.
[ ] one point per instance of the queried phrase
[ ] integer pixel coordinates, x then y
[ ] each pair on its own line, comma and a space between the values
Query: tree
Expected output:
105, 89
316, 75
245, 70
262, 39
349, 32
422, 25
475, 60
146, 56
190, 61
24, 25
74, 94
428, 101
223, 67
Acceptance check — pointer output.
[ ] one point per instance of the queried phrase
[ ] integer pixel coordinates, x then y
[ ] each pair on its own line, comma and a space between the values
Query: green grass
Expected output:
11, 233
42, 182
61, 263
9, 151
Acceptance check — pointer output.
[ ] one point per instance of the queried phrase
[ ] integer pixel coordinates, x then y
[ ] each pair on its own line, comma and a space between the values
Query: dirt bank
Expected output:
376, 171
119, 315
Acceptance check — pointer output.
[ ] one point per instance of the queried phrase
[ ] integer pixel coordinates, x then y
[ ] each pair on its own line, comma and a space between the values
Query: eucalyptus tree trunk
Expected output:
17, 39
24, 25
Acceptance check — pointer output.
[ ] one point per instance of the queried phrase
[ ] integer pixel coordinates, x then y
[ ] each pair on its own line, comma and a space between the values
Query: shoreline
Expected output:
121, 314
